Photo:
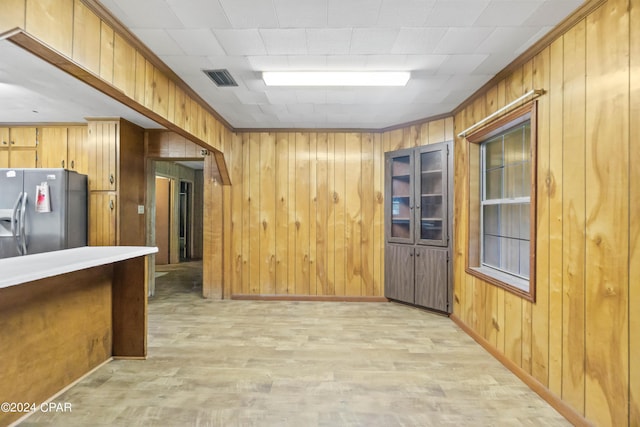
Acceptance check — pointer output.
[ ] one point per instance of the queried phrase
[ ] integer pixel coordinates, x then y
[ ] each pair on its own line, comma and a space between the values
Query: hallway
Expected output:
256, 363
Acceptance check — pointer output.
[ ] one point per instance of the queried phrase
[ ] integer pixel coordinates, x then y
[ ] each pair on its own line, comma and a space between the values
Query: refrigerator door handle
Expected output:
14, 217
23, 235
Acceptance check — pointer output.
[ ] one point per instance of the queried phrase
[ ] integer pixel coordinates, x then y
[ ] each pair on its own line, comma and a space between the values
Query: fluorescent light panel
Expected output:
336, 78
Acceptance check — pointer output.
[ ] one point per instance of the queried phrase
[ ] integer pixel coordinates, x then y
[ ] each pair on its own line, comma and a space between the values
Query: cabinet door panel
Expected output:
102, 149
399, 282
4, 158
77, 149
53, 148
431, 195
22, 158
102, 218
23, 137
399, 196
431, 271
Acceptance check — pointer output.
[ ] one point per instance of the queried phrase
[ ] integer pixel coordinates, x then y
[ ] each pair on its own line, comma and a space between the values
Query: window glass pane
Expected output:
493, 183
509, 254
514, 181
491, 219
513, 146
493, 149
491, 251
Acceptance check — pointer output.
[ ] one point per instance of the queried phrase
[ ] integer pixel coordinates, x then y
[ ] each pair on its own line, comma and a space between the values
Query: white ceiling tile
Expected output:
301, 13
311, 96
235, 63
346, 62
461, 64
159, 42
404, 13
250, 13
307, 62
184, 64
285, 41
148, 14
250, 97
418, 40
353, 13
283, 95
241, 42
269, 63
368, 41
507, 13
448, 13
494, 63
340, 96
424, 63
462, 40
469, 82
200, 42
329, 41
200, 13
506, 39
552, 11
533, 39
386, 62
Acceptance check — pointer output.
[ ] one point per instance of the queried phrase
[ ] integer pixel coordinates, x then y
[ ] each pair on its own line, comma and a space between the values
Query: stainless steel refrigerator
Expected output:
41, 210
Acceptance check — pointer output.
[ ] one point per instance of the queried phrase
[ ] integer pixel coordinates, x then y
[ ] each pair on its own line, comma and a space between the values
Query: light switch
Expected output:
140, 209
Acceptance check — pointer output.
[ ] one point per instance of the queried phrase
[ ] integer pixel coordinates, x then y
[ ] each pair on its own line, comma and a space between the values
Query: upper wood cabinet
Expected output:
102, 154
63, 147
18, 147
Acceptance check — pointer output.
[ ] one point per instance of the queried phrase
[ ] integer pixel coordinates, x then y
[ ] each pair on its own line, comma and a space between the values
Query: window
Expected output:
502, 202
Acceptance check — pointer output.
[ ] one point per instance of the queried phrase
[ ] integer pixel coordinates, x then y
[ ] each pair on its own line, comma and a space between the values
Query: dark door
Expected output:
398, 282
431, 277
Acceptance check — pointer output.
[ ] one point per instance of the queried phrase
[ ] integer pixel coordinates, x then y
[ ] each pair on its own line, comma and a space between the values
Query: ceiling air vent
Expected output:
222, 78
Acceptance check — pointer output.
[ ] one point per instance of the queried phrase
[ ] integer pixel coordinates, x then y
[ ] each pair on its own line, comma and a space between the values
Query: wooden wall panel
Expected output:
124, 66
353, 213
267, 214
573, 218
540, 310
607, 213
52, 22
577, 338
634, 219
107, 37
281, 212
306, 211
302, 215
13, 15
86, 38
554, 181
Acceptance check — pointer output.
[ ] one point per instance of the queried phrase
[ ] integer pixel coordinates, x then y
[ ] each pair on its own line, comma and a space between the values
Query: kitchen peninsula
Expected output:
66, 312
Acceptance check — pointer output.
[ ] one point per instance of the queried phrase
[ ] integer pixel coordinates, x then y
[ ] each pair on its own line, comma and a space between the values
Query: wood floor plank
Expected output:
257, 363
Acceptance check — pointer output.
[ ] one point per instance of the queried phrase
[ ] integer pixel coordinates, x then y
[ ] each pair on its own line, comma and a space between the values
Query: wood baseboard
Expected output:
558, 404
328, 298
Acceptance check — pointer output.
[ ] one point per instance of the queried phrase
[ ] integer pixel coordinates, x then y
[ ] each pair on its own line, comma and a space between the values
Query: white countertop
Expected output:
22, 269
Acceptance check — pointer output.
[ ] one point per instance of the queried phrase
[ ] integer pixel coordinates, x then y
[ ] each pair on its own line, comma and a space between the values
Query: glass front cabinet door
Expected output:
400, 196
431, 195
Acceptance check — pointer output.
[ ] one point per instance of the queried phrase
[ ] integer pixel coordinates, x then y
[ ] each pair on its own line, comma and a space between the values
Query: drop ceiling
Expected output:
450, 47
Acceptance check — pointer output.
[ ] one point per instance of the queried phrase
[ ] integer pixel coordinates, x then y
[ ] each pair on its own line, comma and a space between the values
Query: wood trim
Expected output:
128, 36
565, 25
556, 402
315, 298
46, 53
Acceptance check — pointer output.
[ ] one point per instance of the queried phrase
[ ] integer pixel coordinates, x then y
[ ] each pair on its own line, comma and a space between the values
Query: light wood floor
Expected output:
243, 363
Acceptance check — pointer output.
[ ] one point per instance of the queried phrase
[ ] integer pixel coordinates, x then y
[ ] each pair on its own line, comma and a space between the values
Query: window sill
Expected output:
515, 285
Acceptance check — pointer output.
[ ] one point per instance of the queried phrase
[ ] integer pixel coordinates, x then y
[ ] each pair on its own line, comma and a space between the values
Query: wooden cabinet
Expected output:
417, 226
116, 169
18, 147
63, 147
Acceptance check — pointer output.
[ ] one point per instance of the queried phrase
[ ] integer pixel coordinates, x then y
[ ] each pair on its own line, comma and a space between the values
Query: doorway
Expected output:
163, 220
186, 220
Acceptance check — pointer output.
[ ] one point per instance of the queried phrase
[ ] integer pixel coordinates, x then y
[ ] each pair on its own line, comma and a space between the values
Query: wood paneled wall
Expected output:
580, 338
304, 215
71, 35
